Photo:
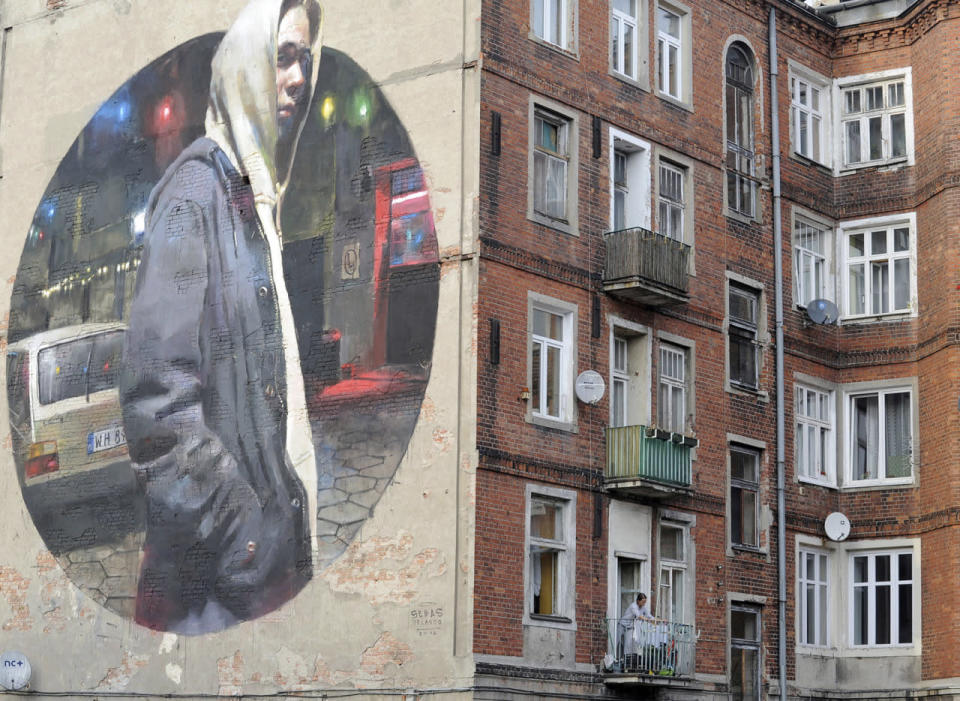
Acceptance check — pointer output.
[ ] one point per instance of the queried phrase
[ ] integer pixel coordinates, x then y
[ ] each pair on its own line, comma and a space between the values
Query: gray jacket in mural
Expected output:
205, 388
203, 405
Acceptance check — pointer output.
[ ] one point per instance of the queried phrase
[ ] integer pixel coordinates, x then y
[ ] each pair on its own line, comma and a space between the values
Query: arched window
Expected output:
741, 183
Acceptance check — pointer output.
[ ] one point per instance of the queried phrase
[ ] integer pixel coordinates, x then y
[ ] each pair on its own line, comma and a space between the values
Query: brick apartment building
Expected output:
637, 158
740, 215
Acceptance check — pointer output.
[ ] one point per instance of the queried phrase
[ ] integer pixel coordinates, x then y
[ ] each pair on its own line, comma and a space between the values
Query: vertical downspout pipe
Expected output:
778, 295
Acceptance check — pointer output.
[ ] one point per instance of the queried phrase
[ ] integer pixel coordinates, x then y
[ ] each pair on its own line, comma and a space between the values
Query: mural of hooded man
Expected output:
212, 392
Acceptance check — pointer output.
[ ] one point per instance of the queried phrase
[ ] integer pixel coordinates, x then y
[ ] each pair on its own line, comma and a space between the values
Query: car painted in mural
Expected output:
68, 437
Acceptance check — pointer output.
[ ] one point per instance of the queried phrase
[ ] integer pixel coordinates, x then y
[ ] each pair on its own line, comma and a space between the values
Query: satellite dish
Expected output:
590, 386
14, 671
822, 311
837, 526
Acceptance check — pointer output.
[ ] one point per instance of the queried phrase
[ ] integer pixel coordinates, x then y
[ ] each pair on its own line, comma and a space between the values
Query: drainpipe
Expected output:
778, 294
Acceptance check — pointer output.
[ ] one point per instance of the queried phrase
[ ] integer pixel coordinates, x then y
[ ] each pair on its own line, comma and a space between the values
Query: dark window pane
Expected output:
905, 617
882, 610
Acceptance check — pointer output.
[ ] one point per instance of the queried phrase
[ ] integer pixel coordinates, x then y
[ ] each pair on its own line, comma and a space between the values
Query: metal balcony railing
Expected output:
653, 648
641, 257
632, 454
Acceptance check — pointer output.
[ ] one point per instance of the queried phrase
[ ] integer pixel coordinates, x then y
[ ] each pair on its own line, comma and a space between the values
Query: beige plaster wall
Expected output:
355, 625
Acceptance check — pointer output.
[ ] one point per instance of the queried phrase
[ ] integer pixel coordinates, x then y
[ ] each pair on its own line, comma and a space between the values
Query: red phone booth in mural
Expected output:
404, 263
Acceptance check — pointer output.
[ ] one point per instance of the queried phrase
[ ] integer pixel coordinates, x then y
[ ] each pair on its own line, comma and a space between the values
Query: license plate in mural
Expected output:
105, 439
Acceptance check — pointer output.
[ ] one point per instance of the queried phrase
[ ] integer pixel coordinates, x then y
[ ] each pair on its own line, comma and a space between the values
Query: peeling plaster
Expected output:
168, 643
230, 675
174, 672
117, 678
365, 569
387, 650
13, 588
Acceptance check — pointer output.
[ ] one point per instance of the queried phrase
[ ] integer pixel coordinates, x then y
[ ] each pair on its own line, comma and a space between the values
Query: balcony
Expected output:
649, 652
648, 461
646, 268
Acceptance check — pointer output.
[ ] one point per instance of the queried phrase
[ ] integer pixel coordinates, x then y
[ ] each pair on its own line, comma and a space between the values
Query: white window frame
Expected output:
637, 378
547, 12
822, 428
802, 76
683, 93
620, 23
676, 568
858, 390
685, 166
819, 602
870, 588
667, 386
637, 211
806, 256
669, 175
566, 417
568, 120
866, 227
840, 612
567, 547
882, 79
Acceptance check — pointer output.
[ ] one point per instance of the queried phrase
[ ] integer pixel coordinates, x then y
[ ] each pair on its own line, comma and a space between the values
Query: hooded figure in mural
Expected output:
213, 396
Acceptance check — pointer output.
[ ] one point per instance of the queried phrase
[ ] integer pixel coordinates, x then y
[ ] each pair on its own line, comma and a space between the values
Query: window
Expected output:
550, 160
879, 267
813, 597
620, 190
740, 166
876, 122
629, 374
551, 361
744, 496
809, 102
881, 435
550, 555
672, 201
744, 653
881, 598
674, 190
630, 582
623, 37
551, 21
813, 440
669, 75
548, 363
811, 248
743, 332
673, 572
630, 178
552, 166
672, 398
620, 372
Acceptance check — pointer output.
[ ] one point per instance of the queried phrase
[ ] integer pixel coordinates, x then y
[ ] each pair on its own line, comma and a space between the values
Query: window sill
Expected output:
564, 226
875, 485
740, 216
641, 82
675, 101
745, 391
548, 422
826, 484
541, 621
569, 53
741, 548
878, 318
806, 160
892, 164
865, 651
